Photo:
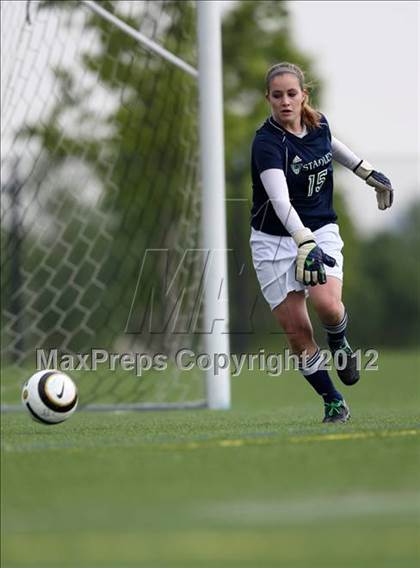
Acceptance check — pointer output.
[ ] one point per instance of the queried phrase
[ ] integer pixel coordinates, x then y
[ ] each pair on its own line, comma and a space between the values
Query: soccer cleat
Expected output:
336, 411
346, 361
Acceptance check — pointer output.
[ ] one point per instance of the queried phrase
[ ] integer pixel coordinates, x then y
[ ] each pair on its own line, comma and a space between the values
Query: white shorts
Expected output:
274, 261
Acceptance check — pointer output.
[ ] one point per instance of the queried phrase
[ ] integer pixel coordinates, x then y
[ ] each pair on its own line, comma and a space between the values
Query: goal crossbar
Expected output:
148, 43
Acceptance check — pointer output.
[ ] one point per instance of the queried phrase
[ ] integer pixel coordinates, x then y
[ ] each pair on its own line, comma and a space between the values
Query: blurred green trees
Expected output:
382, 276
385, 299
123, 153
114, 173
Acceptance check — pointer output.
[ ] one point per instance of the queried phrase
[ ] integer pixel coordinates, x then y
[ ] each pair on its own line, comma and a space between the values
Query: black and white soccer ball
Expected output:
50, 396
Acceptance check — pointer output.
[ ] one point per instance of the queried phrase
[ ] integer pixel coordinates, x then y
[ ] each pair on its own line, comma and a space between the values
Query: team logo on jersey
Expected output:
296, 165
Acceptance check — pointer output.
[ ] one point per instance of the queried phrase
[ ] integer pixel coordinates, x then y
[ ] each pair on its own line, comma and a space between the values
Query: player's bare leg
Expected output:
327, 302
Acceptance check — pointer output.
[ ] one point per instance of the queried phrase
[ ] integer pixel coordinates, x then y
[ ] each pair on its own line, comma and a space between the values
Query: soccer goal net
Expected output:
103, 265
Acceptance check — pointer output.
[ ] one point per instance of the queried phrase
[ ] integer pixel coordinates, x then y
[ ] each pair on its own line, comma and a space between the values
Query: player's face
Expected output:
286, 99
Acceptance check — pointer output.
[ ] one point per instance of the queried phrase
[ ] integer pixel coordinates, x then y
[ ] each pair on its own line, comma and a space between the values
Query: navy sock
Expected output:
336, 334
319, 379
322, 383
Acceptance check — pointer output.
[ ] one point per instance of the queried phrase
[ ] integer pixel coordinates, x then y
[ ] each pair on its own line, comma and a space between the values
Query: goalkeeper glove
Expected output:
310, 260
381, 184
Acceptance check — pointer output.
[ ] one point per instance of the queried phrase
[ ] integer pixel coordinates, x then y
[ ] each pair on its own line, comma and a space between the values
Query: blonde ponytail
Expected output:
311, 118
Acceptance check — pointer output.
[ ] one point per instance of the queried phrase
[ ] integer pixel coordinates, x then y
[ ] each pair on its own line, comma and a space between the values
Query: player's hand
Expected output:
381, 184
383, 188
310, 262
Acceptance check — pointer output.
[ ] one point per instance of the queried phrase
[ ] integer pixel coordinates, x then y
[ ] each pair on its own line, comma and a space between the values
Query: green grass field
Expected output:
263, 485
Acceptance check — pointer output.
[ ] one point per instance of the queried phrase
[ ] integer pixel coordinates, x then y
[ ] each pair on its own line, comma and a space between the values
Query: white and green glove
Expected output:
310, 260
381, 184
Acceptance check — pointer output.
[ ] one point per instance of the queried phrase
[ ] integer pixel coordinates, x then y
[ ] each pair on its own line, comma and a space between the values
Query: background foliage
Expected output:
381, 278
379, 274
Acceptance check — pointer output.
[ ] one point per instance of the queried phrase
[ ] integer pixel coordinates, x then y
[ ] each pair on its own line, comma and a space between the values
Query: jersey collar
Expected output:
276, 126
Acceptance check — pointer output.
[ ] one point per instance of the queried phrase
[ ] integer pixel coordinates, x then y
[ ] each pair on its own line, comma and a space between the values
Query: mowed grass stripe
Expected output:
219, 547
303, 511
257, 439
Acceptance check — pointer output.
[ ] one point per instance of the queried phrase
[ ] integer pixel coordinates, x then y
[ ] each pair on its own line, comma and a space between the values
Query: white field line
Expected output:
257, 439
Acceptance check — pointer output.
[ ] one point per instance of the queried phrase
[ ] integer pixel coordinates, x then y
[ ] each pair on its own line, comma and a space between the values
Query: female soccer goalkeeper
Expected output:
295, 239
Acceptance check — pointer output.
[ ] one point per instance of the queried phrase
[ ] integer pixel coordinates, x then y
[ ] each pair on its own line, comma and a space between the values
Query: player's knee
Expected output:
330, 309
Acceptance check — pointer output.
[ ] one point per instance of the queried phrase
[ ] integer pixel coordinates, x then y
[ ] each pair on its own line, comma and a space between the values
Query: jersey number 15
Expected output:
316, 181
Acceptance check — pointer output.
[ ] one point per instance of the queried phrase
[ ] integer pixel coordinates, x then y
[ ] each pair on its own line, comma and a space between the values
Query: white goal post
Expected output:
212, 238
213, 203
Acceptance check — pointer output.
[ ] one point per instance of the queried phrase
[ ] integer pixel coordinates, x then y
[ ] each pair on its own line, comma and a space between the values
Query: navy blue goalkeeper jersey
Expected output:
307, 165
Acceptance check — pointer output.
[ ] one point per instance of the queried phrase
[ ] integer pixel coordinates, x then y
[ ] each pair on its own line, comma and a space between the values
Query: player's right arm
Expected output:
311, 258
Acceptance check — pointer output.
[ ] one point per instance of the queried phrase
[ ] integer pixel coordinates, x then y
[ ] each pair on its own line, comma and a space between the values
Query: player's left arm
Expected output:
382, 185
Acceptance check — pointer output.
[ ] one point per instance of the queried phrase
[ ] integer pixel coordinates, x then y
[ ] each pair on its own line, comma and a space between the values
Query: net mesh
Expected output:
100, 201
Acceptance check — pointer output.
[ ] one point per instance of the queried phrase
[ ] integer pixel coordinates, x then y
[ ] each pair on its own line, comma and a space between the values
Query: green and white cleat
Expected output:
336, 411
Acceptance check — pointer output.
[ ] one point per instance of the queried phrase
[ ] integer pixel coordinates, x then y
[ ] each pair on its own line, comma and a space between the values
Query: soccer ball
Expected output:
50, 397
